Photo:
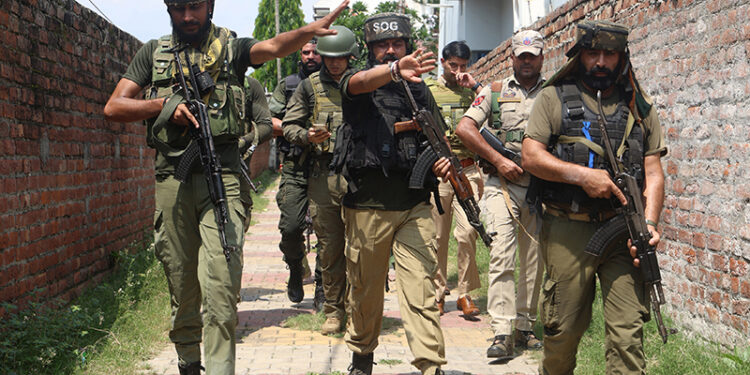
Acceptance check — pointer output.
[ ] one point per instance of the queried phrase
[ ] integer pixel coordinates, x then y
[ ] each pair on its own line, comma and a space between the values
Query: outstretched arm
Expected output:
410, 68
286, 43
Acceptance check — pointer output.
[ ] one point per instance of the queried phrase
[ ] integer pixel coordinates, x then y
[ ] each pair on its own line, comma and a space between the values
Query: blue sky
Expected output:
148, 19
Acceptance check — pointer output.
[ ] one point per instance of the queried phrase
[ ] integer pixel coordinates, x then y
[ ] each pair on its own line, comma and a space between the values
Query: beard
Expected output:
590, 78
191, 37
310, 67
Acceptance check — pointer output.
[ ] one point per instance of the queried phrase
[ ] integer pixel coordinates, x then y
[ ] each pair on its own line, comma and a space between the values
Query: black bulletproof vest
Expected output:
578, 120
373, 142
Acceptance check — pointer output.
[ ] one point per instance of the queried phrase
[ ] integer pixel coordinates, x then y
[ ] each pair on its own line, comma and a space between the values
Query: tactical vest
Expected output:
453, 105
225, 103
372, 143
508, 118
290, 84
580, 142
327, 111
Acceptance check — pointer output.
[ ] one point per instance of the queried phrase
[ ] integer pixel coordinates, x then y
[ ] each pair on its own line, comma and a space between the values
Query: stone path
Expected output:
265, 347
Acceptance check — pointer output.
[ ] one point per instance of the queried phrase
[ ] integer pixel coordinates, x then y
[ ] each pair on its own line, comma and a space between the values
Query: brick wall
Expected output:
692, 58
74, 187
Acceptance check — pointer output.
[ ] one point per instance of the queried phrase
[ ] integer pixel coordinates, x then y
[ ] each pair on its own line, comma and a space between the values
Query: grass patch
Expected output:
390, 362
266, 180
110, 329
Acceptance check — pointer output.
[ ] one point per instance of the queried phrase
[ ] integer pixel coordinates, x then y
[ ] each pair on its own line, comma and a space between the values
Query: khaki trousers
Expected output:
569, 289
326, 193
187, 243
503, 304
466, 237
371, 236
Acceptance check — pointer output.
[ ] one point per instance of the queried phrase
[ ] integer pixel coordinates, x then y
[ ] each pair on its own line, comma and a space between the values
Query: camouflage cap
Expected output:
387, 26
604, 35
527, 41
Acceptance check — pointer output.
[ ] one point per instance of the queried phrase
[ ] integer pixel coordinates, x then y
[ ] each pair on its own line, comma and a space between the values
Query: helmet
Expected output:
344, 43
604, 35
387, 26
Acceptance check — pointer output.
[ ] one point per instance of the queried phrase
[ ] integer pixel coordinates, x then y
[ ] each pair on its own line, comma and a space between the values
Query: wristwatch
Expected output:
476, 86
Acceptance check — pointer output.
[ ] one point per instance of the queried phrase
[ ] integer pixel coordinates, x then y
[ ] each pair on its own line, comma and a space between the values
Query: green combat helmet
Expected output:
387, 26
344, 43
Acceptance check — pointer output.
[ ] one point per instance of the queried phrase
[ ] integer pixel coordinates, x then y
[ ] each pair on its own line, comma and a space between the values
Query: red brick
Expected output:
699, 240
737, 267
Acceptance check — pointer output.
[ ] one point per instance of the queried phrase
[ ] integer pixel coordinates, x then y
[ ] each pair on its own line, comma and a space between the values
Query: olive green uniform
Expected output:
258, 130
292, 195
185, 236
569, 284
315, 98
501, 212
384, 216
453, 100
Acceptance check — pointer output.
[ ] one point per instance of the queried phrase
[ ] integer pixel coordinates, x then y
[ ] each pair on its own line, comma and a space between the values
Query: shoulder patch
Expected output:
478, 101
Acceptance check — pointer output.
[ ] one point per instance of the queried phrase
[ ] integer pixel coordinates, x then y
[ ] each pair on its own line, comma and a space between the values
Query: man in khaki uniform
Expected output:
506, 107
454, 91
203, 285
563, 148
312, 117
382, 214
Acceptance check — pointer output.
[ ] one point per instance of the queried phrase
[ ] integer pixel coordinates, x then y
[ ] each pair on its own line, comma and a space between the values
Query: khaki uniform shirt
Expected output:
515, 107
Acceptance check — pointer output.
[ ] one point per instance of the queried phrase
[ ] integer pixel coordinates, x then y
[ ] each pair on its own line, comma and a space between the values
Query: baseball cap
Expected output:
527, 41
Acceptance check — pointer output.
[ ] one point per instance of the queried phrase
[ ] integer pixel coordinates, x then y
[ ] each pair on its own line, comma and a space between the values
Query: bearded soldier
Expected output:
563, 148
203, 284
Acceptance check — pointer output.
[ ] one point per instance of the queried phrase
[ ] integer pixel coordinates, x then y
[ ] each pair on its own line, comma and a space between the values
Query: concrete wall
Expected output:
692, 58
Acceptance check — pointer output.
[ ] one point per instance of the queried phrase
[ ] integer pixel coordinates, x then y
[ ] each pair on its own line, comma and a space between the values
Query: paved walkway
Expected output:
265, 347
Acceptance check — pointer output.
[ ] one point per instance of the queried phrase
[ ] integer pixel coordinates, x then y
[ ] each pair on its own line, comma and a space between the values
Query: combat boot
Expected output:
193, 368
320, 297
332, 325
361, 364
501, 348
294, 286
527, 340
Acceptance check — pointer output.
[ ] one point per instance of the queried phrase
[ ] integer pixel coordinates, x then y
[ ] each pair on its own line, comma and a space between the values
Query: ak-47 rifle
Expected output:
423, 120
498, 146
202, 145
630, 218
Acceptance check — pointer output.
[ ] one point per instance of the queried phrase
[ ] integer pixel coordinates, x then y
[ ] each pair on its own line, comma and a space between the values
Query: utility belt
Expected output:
589, 217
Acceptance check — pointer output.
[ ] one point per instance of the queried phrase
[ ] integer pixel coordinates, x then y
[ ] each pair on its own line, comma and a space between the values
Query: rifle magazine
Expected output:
605, 234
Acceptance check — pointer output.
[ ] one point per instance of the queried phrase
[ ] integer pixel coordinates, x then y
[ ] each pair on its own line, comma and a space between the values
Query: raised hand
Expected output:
414, 65
321, 26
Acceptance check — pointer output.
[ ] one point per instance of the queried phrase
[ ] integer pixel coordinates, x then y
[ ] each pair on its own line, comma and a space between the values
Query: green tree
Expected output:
290, 18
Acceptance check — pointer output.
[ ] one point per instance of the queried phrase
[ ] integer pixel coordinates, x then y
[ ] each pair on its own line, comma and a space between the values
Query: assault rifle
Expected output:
630, 218
202, 146
498, 146
423, 120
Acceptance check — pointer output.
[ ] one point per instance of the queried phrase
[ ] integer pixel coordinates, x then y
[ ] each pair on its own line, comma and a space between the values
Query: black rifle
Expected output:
205, 149
438, 148
498, 146
630, 218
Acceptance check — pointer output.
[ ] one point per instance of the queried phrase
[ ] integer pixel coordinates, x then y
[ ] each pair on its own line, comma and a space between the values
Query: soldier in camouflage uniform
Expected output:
312, 117
505, 107
292, 194
563, 148
454, 92
203, 286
